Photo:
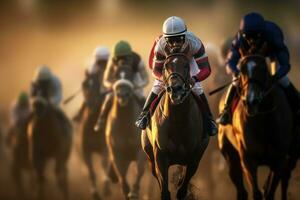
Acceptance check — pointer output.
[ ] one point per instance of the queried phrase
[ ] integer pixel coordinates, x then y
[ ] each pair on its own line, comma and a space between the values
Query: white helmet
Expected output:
92, 69
43, 73
101, 53
174, 26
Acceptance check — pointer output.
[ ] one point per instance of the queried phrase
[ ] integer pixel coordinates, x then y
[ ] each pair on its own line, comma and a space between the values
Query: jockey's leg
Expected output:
212, 126
292, 94
208, 117
143, 119
226, 115
106, 106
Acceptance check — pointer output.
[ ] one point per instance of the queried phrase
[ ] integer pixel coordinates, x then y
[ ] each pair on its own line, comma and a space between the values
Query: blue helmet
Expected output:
252, 22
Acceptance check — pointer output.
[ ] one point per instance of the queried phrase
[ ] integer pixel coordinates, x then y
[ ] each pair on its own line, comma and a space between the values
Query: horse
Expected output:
93, 141
176, 132
122, 137
261, 130
18, 141
50, 137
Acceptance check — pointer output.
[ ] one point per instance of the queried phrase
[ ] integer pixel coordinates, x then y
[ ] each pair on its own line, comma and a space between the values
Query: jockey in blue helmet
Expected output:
259, 36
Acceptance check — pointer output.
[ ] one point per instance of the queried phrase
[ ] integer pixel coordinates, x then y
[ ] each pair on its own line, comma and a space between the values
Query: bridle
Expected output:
186, 87
265, 90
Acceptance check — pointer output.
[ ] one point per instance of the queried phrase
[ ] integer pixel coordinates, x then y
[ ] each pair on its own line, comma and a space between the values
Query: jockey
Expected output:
94, 76
258, 36
47, 85
20, 110
122, 54
19, 116
176, 39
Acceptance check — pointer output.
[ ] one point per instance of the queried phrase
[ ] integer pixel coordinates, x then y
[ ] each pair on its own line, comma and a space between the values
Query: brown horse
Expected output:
176, 135
92, 141
50, 137
122, 136
17, 139
261, 130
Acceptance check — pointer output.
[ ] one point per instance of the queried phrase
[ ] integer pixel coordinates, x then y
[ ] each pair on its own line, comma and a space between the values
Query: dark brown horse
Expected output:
92, 141
261, 130
50, 137
177, 133
18, 141
122, 136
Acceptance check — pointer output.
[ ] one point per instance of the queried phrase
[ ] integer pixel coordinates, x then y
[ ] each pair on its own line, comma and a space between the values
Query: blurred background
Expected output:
64, 33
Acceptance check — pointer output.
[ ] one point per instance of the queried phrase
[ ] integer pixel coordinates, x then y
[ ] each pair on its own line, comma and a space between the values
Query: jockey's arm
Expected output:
141, 79
57, 91
233, 58
158, 64
33, 89
202, 63
282, 56
108, 75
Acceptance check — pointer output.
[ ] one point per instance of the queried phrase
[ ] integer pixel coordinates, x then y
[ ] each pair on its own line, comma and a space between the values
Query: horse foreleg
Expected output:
140, 161
191, 169
281, 172
235, 169
62, 178
39, 166
121, 167
92, 175
109, 174
16, 174
286, 177
147, 147
162, 169
250, 172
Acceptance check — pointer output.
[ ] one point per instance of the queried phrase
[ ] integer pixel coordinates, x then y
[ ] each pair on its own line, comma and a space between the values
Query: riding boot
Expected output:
106, 106
212, 126
293, 98
143, 119
225, 116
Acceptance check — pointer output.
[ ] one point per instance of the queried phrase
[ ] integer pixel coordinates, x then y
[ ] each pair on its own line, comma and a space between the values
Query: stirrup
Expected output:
225, 117
213, 128
142, 121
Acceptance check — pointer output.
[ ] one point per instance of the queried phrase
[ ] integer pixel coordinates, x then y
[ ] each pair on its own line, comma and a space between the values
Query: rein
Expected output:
186, 86
265, 93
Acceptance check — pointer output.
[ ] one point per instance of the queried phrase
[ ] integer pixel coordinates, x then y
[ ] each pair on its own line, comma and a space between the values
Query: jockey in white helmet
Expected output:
176, 39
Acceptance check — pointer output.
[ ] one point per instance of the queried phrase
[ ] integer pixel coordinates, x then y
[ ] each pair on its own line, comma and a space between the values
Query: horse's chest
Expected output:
176, 138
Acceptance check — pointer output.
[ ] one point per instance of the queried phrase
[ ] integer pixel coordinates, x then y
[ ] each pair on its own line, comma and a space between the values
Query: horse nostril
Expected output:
169, 89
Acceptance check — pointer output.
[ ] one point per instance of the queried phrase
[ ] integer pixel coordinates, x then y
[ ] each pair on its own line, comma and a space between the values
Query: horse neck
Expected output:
268, 106
93, 102
175, 112
126, 110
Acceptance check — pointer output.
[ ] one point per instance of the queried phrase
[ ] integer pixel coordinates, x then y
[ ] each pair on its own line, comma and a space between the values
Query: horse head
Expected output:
176, 77
123, 91
255, 81
123, 72
39, 106
91, 89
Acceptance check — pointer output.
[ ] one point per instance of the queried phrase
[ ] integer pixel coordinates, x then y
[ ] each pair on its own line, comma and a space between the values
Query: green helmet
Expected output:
23, 98
122, 48
42, 73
